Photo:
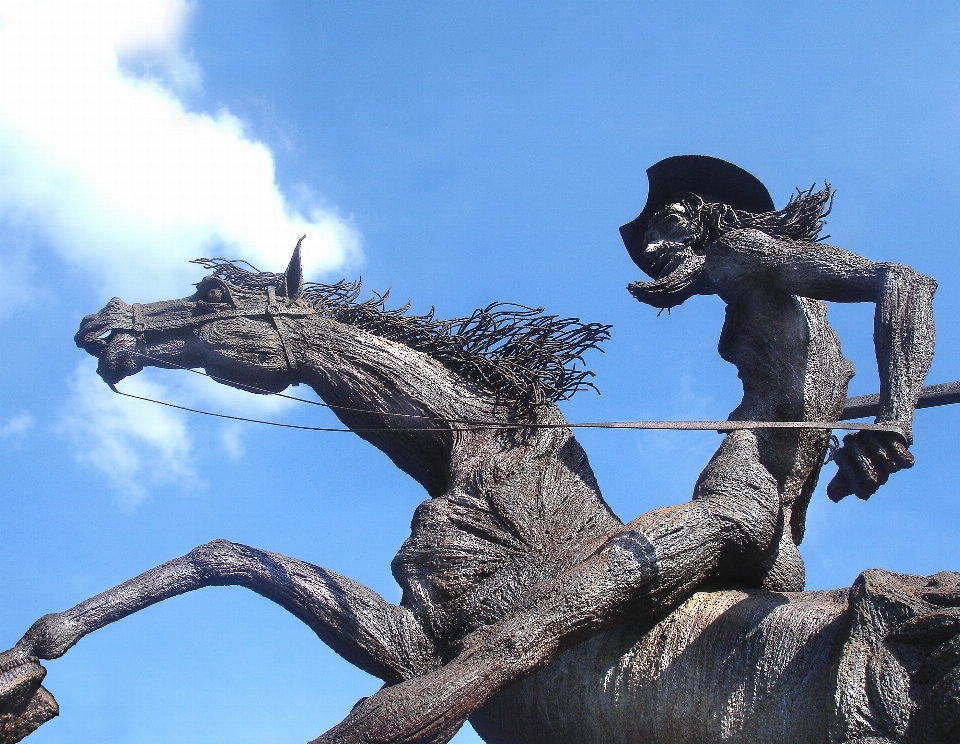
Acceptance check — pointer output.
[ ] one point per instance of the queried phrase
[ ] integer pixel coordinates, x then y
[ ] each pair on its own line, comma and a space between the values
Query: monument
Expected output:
528, 606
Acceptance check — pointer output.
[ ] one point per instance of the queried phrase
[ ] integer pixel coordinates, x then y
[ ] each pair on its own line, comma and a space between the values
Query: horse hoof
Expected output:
19, 681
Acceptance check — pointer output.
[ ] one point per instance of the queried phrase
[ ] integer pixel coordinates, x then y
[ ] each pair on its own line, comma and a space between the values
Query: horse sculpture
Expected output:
467, 409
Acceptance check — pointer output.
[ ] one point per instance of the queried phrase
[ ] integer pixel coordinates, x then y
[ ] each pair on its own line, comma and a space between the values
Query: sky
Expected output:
460, 153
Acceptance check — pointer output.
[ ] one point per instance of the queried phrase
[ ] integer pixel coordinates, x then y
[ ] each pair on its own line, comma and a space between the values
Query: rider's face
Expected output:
668, 238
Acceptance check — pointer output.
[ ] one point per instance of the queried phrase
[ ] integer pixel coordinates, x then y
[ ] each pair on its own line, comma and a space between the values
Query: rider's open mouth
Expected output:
667, 265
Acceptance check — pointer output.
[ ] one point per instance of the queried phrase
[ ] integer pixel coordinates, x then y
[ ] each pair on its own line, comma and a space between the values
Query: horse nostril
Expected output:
89, 339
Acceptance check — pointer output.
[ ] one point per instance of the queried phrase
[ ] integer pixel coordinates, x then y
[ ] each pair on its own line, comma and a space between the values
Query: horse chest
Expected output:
473, 553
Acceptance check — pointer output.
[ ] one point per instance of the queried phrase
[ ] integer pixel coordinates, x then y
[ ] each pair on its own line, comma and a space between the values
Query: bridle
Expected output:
271, 308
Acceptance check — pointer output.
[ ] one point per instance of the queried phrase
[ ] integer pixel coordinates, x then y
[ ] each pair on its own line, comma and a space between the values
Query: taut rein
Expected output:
468, 425
275, 310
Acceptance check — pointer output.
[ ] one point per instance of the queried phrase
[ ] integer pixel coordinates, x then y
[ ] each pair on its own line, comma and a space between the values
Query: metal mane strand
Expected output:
516, 352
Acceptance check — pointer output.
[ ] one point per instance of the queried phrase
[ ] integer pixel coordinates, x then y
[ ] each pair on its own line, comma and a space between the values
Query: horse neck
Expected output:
376, 383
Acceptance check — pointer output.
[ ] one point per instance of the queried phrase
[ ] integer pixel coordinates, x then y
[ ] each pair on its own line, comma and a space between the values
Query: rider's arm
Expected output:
903, 323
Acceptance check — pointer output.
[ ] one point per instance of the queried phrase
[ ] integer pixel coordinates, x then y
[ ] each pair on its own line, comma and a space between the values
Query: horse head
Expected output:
236, 326
406, 383
251, 328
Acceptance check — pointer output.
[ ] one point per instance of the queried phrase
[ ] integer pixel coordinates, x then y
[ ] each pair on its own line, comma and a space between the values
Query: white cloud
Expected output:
14, 279
133, 443
199, 392
102, 161
231, 441
116, 173
14, 426
138, 444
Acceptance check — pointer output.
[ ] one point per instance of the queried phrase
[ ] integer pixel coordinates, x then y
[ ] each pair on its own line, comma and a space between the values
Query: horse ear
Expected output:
294, 274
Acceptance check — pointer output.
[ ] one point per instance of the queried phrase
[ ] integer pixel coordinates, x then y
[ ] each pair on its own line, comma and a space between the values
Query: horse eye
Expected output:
215, 295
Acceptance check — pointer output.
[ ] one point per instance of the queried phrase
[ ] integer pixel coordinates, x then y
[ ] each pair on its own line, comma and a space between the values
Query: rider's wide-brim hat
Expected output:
712, 179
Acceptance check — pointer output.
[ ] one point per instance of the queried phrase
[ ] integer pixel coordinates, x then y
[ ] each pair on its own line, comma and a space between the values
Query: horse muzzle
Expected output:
119, 358
108, 335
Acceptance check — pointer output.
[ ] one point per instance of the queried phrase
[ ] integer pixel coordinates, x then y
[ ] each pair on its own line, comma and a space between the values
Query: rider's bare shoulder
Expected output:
739, 259
750, 242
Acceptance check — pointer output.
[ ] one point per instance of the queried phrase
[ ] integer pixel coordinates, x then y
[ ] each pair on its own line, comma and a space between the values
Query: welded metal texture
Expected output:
528, 606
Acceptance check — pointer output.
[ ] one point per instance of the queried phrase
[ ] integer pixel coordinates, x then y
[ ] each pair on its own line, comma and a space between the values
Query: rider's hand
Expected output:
865, 461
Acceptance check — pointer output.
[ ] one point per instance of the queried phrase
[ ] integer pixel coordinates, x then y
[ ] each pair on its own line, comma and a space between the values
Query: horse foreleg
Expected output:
383, 639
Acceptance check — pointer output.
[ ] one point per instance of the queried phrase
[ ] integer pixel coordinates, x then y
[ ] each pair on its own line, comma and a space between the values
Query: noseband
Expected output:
271, 308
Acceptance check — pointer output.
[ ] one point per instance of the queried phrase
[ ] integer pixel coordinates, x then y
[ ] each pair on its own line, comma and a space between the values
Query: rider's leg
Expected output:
648, 568
382, 639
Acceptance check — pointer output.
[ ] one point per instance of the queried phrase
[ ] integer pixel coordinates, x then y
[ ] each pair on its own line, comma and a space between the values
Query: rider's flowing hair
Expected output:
803, 219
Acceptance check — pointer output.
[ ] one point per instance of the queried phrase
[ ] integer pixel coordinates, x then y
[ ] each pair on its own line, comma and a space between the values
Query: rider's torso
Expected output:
791, 365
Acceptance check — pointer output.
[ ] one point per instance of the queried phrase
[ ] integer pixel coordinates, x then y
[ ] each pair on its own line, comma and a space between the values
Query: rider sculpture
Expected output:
498, 586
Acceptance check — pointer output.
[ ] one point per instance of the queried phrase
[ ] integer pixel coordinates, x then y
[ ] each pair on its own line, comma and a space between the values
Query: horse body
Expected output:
517, 513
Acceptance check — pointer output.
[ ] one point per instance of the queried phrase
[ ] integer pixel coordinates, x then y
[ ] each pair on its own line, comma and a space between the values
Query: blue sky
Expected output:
460, 153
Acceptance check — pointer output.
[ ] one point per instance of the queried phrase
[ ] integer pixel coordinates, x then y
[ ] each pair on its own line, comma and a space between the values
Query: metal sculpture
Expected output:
528, 606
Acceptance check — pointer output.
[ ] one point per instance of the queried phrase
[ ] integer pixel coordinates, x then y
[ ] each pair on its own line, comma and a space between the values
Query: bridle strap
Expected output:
274, 309
271, 309
138, 325
287, 351
143, 324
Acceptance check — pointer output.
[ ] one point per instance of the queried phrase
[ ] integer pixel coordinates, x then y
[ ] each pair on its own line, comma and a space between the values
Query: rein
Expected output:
275, 310
467, 425
271, 309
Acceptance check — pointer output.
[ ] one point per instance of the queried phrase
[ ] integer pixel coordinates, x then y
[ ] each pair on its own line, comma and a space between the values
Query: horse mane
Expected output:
514, 351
